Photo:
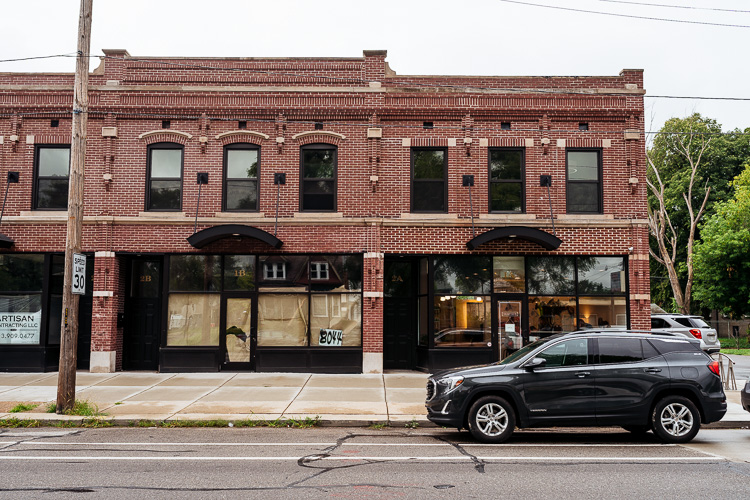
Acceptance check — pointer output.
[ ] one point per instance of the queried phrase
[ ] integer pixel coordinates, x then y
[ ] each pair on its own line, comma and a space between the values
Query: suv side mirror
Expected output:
535, 363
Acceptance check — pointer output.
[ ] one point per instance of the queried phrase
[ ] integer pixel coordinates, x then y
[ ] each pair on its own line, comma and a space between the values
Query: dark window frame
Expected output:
37, 177
599, 182
414, 182
521, 181
242, 146
303, 179
150, 179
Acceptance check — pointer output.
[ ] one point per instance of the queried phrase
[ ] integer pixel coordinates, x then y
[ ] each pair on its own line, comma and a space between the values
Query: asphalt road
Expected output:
119, 463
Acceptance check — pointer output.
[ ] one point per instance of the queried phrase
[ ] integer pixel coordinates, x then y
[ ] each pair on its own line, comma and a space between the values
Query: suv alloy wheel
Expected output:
675, 419
491, 419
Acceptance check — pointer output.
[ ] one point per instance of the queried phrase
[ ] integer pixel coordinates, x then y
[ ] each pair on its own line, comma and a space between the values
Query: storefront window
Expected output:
193, 319
21, 313
603, 312
282, 320
239, 272
601, 275
551, 275
336, 273
195, 273
462, 275
283, 273
462, 321
336, 320
509, 275
548, 315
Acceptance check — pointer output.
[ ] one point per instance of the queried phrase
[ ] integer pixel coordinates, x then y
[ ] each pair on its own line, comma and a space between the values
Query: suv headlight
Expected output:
449, 384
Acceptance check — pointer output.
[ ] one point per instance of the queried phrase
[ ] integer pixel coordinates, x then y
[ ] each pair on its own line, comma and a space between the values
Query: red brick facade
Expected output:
372, 115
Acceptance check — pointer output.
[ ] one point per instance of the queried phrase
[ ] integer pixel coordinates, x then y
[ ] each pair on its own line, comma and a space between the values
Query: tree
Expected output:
721, 259
721, 157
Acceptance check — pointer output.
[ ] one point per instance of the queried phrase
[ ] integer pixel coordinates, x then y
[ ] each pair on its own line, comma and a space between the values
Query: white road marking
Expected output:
511, 445
375, 458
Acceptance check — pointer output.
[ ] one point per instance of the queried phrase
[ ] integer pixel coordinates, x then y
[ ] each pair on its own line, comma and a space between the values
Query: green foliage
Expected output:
304, 423
81, 408
18, 422
379, 425
724, 159
413, 424
22, 407
722, 262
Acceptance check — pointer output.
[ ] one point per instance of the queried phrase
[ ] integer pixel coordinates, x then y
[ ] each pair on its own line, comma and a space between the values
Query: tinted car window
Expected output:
667, 345
620, 350
659, 323
572, 352
683, 322
649, 351
699, 322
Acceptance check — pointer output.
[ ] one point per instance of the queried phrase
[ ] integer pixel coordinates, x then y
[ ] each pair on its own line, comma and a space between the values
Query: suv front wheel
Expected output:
675, 419
491, 419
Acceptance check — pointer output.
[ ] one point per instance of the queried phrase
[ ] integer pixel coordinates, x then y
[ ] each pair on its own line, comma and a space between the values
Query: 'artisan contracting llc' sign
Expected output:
20, 328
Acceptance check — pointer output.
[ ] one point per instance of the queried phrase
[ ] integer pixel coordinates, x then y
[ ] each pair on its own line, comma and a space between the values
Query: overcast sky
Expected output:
468, 37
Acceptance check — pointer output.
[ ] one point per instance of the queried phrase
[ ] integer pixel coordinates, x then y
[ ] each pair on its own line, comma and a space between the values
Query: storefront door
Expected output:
512, 323
143, 306
238, 325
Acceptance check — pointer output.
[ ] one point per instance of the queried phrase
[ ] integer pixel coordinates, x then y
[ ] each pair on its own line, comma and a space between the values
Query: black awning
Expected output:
5, 241
206, 236
537, 236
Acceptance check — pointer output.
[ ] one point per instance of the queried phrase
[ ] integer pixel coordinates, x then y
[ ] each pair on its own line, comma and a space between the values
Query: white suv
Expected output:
690, 326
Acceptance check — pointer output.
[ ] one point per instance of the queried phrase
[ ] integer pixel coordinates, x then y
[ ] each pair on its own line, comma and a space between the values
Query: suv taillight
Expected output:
714, 367
696, 333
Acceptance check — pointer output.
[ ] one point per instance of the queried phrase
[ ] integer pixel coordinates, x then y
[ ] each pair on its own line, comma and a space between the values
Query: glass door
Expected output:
238, 327
512, 324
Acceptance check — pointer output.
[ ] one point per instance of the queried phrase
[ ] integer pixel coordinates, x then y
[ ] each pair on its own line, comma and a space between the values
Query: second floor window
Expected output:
274, 271
584, 187
318, 178
164, 177
429, 169
506, 180
241, 169
52, 165
319, 270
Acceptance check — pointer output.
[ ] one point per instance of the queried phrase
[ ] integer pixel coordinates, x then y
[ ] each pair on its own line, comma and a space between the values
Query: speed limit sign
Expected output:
79, 274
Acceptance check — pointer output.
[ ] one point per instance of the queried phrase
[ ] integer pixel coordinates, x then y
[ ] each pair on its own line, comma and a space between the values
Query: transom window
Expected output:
584, 189
241, 169
164, 177
318, 177
506, 180
52, 166
429, 168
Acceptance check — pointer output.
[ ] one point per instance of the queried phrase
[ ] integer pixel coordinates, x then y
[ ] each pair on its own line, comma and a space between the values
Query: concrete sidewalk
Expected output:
394, 397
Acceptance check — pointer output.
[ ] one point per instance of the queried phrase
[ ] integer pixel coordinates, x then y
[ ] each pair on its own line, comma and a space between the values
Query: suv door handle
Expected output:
652, 370
582, 374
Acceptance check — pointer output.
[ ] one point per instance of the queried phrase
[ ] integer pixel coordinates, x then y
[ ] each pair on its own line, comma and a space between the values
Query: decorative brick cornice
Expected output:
314, 136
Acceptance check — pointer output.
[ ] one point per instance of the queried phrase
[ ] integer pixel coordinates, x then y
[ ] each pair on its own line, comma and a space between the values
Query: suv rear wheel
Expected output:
491, 419
675, 419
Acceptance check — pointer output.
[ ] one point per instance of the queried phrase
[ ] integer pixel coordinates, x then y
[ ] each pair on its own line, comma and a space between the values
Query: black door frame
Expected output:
129, 304
524, 328
253, 334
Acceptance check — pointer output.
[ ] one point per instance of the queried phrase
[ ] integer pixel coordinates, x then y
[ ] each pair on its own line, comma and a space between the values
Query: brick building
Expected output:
324, 215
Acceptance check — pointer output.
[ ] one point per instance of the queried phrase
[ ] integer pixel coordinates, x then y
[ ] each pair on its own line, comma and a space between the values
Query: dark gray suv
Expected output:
638, 381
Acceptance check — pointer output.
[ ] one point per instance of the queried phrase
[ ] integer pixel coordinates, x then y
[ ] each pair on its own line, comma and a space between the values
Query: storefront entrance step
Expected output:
250, 394
334, 395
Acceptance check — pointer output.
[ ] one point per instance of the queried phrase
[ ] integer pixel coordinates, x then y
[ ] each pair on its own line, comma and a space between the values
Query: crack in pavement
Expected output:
478, 464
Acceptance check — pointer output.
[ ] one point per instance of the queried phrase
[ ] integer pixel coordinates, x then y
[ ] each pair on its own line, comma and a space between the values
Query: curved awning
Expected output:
531, 234
5, 241
206, 236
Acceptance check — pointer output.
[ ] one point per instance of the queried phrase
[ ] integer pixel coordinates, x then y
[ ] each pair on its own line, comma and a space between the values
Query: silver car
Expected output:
689, 326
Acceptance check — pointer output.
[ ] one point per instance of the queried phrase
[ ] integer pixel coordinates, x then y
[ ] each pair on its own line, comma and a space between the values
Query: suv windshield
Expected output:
524, 351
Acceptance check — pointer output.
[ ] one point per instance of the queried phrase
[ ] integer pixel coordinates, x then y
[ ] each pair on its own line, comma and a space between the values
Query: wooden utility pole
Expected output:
66, 381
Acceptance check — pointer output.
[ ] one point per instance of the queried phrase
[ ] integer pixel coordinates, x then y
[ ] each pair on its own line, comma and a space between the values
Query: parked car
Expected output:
638, 381
745, 396
689, 326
